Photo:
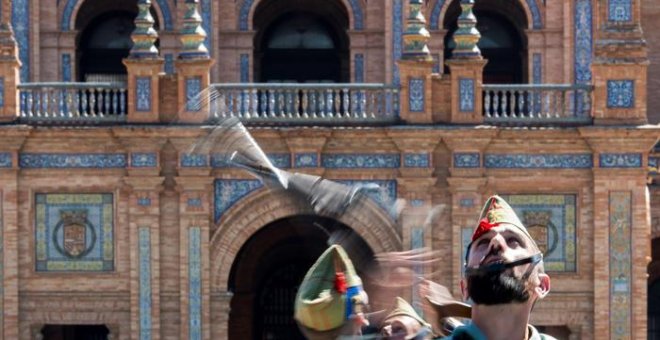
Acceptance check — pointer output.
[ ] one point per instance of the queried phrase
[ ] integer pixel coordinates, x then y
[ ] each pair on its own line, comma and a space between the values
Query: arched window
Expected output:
301, 42
502, 42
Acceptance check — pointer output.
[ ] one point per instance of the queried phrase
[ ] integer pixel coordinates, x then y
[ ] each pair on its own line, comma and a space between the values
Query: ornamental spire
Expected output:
144, 36
416, 36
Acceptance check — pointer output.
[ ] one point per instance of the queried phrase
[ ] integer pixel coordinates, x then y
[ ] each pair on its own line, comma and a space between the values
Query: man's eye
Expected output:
513, 241
482, 242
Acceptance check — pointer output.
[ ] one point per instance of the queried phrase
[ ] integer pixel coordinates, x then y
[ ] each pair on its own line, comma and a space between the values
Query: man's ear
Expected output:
464, 290
543, 288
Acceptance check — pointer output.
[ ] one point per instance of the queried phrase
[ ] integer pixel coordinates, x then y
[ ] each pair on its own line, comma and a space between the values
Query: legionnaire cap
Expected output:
329, 293
403, 308
496, 212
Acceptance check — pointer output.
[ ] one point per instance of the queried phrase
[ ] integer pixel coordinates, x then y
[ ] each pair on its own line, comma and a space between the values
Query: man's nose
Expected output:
497, 244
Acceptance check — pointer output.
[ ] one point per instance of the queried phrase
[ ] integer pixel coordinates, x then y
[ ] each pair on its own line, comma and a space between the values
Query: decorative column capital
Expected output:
416, 36
144, 36
467, 36
193, 34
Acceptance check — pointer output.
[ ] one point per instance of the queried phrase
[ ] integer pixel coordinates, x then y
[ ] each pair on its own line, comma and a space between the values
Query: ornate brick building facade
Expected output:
112, 227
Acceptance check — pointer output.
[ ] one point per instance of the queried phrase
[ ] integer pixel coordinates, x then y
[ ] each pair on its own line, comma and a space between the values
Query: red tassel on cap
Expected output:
340, 282
484, 226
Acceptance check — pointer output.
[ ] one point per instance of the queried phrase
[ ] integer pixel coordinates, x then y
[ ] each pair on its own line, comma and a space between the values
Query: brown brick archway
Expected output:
263, 207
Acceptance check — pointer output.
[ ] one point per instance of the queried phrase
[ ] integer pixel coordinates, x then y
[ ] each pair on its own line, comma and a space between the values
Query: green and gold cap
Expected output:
403, 308
497, 211
325, 297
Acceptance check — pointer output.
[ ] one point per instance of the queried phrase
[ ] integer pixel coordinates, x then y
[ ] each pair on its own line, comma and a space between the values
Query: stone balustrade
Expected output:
72, 102
537, 103
270, 103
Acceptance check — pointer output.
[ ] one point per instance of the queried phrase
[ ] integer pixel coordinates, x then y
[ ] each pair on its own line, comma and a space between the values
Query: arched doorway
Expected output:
503, 41
266, 274
75, 332
105, 39
301, 42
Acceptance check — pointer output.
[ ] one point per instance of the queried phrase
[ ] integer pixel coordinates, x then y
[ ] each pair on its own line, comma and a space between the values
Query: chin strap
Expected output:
498, 267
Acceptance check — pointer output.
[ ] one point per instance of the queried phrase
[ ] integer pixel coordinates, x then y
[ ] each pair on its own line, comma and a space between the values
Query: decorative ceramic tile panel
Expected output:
619, 10
416, 160
306, 160
397, 39
583, 41
466, 202
416, 203
143, 94
361, 161
467, 160
416, 95
620, 238
66, 67
653, 163
537, 68
229, 191
169, 63
551, 221
620, 160
359, 68
144, 159
280, 160
245, 68
144, 251
74, 232
189, 160
621, 93
20, 20
436, 63
193, 88
558, 161
195, 282
55, 160
5, 160
435, 19
207, 23
194, 202
466, 95
144, 201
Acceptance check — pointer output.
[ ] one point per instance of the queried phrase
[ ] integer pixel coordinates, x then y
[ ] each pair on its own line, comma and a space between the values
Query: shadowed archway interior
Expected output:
301, 41
269, 268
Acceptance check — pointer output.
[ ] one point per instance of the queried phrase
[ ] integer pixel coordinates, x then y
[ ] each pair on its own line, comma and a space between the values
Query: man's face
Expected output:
504, 243
400, 327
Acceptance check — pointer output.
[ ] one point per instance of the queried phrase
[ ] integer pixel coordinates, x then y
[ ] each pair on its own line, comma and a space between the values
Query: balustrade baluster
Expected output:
296, 103
504, 104
271, 103
321, 103
312, 104
255, 102
329, 103
289, 103
106, 101
305, 102
496, 104
346, 103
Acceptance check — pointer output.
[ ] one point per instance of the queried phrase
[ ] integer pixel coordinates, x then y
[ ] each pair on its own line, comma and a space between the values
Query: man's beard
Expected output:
496, 287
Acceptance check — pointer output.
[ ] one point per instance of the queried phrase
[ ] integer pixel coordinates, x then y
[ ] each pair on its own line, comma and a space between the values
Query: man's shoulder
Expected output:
472, 332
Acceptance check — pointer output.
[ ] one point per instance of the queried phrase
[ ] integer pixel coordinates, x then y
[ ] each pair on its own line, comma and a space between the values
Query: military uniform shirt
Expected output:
472, 332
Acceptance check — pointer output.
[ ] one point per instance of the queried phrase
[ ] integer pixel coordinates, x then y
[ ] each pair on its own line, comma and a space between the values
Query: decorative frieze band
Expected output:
56, 160
392, 160
550, 161
144, 159
620, 160
467, 160
144, 251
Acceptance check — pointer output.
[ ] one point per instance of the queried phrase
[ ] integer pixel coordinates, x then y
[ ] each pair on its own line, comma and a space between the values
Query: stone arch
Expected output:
372, 224
530, 7
71, 8
353, 7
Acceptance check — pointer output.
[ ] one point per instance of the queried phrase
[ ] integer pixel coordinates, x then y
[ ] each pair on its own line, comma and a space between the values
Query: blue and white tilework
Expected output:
207, 23
525, 161
280, 160
466, 202
74, 232
193, 88
537, 68
169, 63
435, 20
195, 202
144, 201
144, 250
66, 67
436, 62
416, 203
551, 221
245, 68
621, 93
143, 159
466, 95
195, 282
416, 160
243, 15
5, 160
229, 191
189, 160
20, 20
359, 68
361, 161
416, 95
397, 39
619, 10
385, 196
54, 160
305, 160
653, 163
143, 94
467, 160
620, 160
620, 258
583, 41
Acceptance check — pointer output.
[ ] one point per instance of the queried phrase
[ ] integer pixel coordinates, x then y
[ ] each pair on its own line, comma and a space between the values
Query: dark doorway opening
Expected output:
75, 332
268, 270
